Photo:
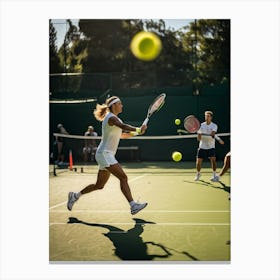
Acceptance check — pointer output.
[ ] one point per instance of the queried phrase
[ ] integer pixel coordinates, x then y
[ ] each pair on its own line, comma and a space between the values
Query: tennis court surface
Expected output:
184, 220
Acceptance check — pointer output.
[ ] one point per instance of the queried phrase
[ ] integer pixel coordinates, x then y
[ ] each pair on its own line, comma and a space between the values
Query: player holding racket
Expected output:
206, 146
112, 131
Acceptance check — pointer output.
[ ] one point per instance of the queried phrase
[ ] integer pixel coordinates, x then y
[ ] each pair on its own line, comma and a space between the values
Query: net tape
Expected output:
162, 137
72, 101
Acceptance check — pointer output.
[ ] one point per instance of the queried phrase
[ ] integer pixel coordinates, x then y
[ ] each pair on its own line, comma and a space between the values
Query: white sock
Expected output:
214, 173
78, 194
132, 203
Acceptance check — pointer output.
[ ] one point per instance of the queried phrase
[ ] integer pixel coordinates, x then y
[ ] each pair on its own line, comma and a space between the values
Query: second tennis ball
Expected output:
176, 156
146, 46
177, 121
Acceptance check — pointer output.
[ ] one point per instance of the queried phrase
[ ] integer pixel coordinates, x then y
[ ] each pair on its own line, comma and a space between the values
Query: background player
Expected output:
206, 137
60, 142
90, 144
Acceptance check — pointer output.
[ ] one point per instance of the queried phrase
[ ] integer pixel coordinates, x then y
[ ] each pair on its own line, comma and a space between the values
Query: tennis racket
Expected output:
191, 124
154, 107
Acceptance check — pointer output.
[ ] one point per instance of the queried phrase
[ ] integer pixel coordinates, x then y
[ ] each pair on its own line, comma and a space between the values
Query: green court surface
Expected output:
184, 220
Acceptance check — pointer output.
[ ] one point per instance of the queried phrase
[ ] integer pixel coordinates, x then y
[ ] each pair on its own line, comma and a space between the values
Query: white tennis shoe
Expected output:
137, 207
215, 178
197, 176
72, 198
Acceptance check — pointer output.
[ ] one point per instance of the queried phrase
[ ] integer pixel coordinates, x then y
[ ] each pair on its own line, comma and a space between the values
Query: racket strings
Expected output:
158, 103
191, 124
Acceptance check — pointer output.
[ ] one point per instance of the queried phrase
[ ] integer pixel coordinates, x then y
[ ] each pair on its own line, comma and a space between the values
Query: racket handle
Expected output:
145, 122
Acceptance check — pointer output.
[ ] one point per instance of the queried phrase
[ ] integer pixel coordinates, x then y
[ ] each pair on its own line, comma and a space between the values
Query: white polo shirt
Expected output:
207, 142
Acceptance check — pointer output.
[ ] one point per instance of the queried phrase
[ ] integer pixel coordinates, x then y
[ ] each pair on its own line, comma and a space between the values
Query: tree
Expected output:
209, 43
107, 44
108, 50
194, 55
54, 66
71, 53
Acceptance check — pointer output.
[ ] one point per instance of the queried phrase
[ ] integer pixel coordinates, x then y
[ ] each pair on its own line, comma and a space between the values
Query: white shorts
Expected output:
105, 159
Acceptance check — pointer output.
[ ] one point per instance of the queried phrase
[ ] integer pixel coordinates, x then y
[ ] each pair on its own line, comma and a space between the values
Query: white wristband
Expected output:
134, 133
217, 138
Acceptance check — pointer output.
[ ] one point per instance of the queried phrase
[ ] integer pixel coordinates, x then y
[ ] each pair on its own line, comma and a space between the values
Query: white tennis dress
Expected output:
105, 153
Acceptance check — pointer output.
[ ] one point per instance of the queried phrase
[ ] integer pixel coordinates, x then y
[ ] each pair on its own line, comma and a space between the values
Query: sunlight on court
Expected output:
184, 220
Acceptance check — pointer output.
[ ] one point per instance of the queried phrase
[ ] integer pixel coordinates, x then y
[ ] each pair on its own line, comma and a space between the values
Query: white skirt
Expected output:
105, 159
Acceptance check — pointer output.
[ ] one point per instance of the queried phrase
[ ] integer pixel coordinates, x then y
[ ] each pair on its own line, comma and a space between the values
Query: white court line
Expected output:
146, 211
129, 181
137, 178
62, 203
159, 224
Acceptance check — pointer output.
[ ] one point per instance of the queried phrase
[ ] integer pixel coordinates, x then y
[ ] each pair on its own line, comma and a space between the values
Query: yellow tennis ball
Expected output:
176, 156
177, 121
146, 46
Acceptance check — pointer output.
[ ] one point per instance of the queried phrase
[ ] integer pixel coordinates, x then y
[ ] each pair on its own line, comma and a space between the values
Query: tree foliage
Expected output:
73, 50
198, 53
209, 42
53, 55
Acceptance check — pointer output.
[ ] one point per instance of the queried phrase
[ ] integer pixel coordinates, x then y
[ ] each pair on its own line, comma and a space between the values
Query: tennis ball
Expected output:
145, 46
177, 121
176, 156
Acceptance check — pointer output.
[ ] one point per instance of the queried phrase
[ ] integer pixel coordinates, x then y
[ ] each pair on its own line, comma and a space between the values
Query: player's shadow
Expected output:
223, 186
128, 244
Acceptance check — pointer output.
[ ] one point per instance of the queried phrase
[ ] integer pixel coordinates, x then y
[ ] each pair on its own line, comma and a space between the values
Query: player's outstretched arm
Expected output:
126, 127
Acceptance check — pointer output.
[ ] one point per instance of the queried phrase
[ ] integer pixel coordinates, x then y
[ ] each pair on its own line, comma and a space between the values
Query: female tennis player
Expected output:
112, 130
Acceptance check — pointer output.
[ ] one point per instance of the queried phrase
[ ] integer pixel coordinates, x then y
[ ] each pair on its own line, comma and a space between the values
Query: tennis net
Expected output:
80, 150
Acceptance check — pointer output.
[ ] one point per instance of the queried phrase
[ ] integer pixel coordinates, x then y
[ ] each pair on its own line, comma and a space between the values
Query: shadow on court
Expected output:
223, 186
128, 244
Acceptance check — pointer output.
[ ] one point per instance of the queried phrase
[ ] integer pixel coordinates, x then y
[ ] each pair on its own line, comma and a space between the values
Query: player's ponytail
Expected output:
101, 110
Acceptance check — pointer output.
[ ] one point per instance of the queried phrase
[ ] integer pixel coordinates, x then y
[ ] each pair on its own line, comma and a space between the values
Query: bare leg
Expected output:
60, 156
198, 164
102, 178
117, 171
85, 156
226, 165
213, 163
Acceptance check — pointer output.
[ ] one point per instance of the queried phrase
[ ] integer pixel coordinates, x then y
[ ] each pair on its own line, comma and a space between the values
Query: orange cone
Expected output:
70, 160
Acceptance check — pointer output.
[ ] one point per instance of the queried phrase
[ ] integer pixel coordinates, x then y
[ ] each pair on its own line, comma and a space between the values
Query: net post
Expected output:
70, 160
